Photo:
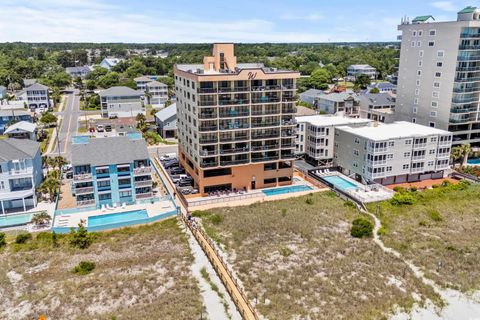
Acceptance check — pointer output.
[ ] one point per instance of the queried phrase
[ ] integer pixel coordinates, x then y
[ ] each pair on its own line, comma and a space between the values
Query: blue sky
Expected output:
213, 20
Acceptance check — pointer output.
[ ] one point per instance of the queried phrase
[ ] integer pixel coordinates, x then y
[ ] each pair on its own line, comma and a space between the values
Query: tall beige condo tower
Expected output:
439, 74
236, 125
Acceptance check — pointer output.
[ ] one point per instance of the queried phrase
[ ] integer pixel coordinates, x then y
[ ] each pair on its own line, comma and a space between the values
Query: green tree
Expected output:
48, 119
3, 241
361, 227
59, 162
374, 90
462, 151
41, 218
320, 78
50, 186
141, 121
80, 238
362, 81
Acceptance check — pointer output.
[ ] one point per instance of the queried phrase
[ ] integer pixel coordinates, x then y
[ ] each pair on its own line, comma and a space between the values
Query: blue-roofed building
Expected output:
166, 120
9, 116
109, 171
383, 87
310, 95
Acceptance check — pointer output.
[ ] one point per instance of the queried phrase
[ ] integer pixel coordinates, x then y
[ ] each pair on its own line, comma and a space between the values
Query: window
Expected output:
406, 155
390, 156
433, 114
414, 120
389, 169
391, 143
420, 63
414, 33
419, 73
413, 44
434, 104
436, 84
415, 109
432, 33
438, 74
435, 94
419, 43
415, 101
420, 33
406, 166
355, 152
440, 53
430, 163
431, 43
407, 142
420, 53
357, 140
432, 151
439, 64
417, 92
433, 139
417, 82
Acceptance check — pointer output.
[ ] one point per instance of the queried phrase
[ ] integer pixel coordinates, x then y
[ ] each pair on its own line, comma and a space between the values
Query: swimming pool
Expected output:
124, 218
283, 190
15, 219
341, 183
474, 162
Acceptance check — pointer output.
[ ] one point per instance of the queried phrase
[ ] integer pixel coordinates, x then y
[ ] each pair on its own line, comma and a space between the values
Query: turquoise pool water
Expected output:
474, 162
340, 183
117, 218
15, 220
289, 189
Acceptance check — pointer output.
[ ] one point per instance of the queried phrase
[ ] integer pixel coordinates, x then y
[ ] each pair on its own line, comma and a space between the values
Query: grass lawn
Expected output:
443, 225
346, 84
299, 259
45, 142
140, 273
83, 107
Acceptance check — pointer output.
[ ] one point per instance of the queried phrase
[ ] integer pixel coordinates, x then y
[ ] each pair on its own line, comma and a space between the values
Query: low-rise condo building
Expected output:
35, 96
155, 92
392, 153
355, 70
20, 173
121, 102
315, 136
166, 121
346, 103
109, 171
236, 122
378, 107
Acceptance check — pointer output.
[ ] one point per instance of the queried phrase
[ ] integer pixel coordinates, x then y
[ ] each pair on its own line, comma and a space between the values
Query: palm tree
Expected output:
141, 119
466, 150
59, 162
456, 153
41, 218
50, 185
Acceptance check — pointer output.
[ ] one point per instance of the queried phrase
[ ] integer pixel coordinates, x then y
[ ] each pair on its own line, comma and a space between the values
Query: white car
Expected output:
168, 156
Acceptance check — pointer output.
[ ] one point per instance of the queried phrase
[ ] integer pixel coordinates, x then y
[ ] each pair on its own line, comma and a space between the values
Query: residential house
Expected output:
310, 95
22, 130
20, 173
355, 70
121, 102
13, 115
111, 171
36, 97
166, 120
78, 72
378, 107
156, 93
346, 103
315, 136
392, 153
109, 63
142, 82
383, 87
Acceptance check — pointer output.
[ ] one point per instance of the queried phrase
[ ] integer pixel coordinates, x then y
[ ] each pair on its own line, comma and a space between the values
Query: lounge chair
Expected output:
114, 205
103, 208
124, 205
108, 207
327, 171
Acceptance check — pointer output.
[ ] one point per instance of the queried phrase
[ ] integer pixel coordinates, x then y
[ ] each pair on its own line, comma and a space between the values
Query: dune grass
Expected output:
297, 259
139, 273
440, 231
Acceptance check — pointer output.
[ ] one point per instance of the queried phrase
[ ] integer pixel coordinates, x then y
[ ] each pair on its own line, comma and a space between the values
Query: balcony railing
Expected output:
443, 155
467, 69
463, 110
236, 138
83, 203
266, 88
225, 102
234, 150
465, 90
376, 162
234, 162
265, 136
205, 115
143, 183
207, 90
265, 124
209, 164
142, 170
144, 195
419, 146
261, 159
469, 35
233, 114
207, 128
266, 112
82, 177
289, 99
288, 155
418, 157
265, 100
265, 147
234, 126
289, 110
377, 150
469, 47
414, 170
206, 153
208, 140
84, 190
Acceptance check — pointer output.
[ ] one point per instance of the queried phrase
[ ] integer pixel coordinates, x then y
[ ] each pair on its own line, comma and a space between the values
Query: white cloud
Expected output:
445, 6
307, 17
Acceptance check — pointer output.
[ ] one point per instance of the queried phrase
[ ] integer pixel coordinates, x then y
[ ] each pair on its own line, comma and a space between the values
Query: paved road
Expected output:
69, 125
162, 149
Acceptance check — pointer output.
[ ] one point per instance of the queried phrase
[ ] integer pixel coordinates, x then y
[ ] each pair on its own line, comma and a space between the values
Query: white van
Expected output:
168, 156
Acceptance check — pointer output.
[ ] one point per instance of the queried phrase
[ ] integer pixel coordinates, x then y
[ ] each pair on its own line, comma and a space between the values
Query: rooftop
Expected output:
396, 130
106, 151
329, 120
468, 9
36, 86
14, 113
120, 91
143, 79
16, 149
304, 111
77, 69
155, 83
21, 126
361, 66
422, 18
378, 99
167, 112
338, 96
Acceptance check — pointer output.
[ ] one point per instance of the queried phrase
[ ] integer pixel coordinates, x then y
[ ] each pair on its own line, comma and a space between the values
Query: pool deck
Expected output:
73, 219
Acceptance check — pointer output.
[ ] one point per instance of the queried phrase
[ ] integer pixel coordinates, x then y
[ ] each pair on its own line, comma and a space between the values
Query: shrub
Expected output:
349, 204
286, 251
309, 201
435, 215
44, 236
361, 227
284, 212
3, 241
23, 237
399, 189
81, 238
84, 267
413, 189
216, 219
402, 199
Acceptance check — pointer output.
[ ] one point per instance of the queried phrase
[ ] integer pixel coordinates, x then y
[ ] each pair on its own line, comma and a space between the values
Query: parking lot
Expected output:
109, 127
182, 180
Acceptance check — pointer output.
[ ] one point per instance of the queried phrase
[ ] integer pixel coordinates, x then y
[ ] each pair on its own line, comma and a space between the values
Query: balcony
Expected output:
82, 177
144, 195
288, 145
265, 124
287, 156
416, 170
469, 35
419, 146
289, 99
377, 150
233, 139
469, 47
422, 157
265, 100
206, 153
464, 110
234, 150
208, 140
266, 112
143, 183
142, 170
234, 89
226, 102
289, 123
376, 162
209, 164
290, 110
267, 88
205, 128
84, 190
465, 90
468, 69
288, 87
262, 159
84, 203
263, 136
207, 115
265, 147
207, 90
207, 102
234, 114
234, 126
443, 155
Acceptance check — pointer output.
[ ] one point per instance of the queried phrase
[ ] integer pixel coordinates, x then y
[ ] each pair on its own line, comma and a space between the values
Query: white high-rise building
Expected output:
439, 74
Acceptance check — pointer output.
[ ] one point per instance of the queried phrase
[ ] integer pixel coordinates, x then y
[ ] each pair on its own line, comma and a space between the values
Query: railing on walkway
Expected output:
223, 271
212, 200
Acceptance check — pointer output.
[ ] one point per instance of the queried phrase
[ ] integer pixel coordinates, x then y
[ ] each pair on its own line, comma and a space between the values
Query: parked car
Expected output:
113, 116
171, 164
108, 128
176, 178
185, 182
100, 128
168, 156
177, 170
